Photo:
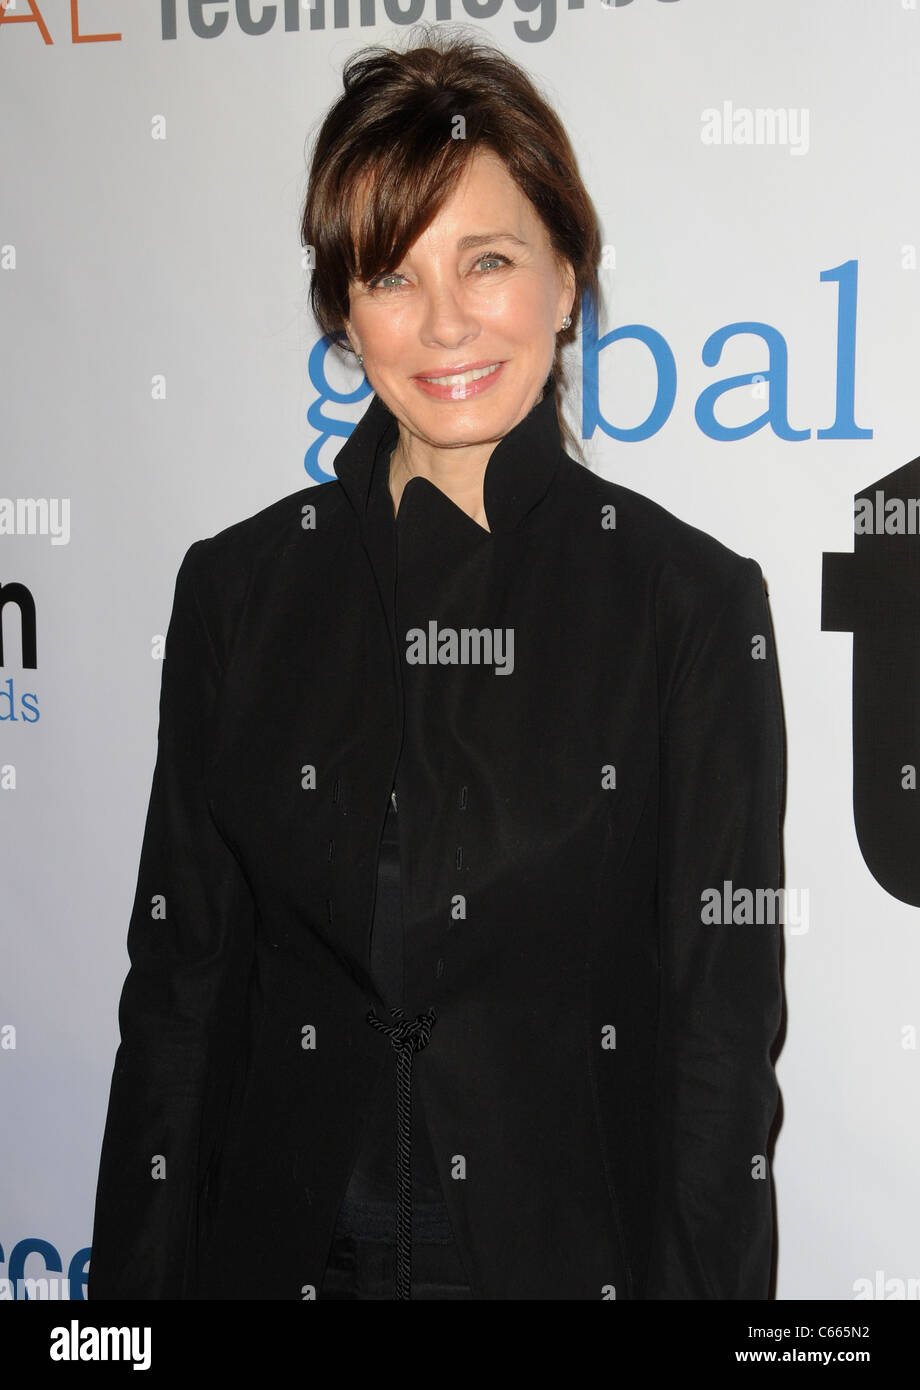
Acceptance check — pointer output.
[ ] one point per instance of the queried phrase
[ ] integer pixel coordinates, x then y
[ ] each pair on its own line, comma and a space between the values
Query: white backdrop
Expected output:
158, 366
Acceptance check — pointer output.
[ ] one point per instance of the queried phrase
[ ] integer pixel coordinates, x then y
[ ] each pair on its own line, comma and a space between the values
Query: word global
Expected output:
466, 646
656, 361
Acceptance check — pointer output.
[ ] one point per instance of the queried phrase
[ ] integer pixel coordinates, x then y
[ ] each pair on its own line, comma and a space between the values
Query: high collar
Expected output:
518, 473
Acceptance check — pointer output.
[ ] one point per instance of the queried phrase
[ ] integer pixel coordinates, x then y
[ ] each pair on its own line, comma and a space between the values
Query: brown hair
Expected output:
392, 130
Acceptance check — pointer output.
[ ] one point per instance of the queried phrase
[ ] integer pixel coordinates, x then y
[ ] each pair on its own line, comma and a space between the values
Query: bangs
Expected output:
390, 200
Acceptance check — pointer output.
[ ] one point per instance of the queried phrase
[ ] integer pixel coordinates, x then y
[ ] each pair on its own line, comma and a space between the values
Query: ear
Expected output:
569, 286
352, 337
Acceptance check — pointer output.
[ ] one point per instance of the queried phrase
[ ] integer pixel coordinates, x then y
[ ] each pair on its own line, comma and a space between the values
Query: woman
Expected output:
426, 997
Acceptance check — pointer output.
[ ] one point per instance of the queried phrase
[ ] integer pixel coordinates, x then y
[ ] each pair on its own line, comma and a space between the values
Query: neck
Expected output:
458, 473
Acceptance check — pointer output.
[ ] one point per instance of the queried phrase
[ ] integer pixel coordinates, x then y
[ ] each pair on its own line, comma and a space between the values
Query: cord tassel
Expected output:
407, 1038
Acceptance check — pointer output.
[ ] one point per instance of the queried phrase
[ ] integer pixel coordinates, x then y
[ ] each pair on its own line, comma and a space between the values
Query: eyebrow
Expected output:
467, 242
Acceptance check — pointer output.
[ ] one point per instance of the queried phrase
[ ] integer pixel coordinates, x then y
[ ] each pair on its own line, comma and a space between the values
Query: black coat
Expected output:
598, 1084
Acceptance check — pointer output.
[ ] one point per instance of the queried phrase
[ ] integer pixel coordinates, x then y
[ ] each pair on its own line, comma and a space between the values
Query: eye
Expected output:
378, 283
373, 284
493, 256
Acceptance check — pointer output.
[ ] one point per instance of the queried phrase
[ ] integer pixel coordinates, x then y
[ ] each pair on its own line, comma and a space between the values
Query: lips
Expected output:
460, 383
468, 370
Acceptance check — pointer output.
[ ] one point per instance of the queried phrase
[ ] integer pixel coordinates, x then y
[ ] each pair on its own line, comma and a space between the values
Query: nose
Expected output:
447, 319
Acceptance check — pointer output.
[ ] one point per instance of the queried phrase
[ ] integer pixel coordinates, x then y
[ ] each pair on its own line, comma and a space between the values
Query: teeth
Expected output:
463, 378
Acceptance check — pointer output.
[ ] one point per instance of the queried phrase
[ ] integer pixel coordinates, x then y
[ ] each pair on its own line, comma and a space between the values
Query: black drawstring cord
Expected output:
407, 1038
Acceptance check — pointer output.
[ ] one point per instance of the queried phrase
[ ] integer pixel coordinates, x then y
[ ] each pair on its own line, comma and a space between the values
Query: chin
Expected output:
477, 429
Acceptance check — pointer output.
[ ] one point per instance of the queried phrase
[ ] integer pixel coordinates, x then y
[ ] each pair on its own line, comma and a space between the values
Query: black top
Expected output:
368, 1210
592, 1168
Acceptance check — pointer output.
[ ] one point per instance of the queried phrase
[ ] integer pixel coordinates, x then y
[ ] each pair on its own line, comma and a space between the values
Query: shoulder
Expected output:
704, 603
689, 571
267, 533
219, 570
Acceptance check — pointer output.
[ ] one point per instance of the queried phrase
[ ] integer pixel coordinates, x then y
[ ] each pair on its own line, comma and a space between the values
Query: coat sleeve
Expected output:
720, 981
190, 942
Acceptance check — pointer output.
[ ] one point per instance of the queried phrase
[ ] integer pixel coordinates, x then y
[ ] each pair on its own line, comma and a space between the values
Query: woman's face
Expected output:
478, 289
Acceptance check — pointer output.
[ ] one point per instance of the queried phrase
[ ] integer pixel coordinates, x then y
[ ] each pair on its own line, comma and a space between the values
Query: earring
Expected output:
361, 359
566, 322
